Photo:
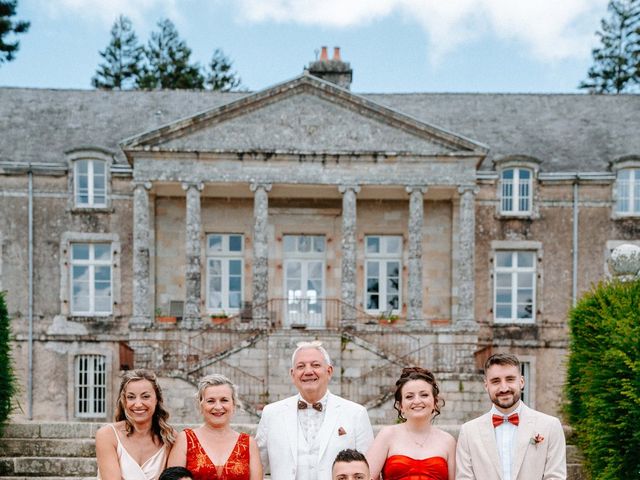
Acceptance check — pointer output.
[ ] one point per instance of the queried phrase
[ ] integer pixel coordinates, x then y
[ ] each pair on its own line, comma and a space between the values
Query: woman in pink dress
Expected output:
214, 451
414, 449
136, 446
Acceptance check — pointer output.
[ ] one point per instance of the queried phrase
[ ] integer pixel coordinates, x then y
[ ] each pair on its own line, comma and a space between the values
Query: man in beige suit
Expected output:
512, 441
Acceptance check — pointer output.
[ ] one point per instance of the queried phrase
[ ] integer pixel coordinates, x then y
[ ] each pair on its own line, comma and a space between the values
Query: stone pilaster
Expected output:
414, 288
348, 243
260, 286
141, 267
192, 273
465, 268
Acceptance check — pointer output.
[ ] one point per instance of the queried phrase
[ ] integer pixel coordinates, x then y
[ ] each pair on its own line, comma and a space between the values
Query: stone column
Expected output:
414, 288
348, 242
465, 268
192, 271
260, 308
141, 271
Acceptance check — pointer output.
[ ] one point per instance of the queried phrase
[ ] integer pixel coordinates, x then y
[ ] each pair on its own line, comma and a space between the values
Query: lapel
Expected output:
329, 424
290, 419
488, 441
524, 433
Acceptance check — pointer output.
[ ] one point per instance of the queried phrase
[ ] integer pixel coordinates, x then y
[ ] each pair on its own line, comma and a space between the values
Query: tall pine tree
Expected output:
9, 27
616, 66
122, 58
219, 75
168, 61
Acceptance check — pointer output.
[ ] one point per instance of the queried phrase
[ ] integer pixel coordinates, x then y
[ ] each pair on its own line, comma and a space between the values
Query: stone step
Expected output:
51, 430
47, 447
47, 466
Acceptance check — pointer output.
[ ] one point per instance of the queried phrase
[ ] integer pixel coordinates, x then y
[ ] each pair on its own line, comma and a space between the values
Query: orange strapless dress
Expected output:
398, 467
202, 468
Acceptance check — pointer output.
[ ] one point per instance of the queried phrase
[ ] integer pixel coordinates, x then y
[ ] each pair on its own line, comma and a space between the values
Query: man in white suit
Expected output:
512, 441
300, 436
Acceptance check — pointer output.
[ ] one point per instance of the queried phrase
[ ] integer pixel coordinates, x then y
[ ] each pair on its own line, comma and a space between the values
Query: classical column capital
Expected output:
255, 185
146, 185
343, 188
197, 185
416, 188
471, 188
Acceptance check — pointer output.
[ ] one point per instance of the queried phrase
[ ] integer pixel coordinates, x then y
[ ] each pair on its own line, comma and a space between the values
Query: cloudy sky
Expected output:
392, 45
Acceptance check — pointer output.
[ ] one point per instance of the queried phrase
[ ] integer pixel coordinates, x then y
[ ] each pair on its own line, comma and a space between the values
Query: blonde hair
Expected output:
159, 426
214, 380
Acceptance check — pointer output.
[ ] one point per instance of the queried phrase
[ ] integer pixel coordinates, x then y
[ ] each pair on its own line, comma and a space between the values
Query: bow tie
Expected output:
303, 405
499, 420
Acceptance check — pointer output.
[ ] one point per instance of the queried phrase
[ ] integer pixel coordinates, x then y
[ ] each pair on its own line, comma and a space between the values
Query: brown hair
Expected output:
159, 426
501, 359
417, 373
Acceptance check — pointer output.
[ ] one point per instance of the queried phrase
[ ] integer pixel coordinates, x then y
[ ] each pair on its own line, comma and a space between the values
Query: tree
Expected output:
123, 58
8, 27
167, 62
219, 76
616, 66
7, 378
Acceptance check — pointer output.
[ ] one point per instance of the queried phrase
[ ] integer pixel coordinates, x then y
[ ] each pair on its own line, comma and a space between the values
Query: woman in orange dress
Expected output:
214, 451
414, 449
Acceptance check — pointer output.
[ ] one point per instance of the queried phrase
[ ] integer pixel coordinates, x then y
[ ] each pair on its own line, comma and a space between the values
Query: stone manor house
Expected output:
194, 232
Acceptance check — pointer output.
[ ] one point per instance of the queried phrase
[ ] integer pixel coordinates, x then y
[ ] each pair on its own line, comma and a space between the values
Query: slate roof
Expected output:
566, 132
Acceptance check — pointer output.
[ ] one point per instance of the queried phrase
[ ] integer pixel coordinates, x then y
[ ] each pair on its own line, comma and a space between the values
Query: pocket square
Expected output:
341, 431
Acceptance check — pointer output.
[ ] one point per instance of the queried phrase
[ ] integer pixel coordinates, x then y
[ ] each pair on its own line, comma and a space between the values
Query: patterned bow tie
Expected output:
303, 405
499, 420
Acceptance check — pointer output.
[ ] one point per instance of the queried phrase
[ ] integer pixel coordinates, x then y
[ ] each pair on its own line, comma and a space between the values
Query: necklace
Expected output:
424, 441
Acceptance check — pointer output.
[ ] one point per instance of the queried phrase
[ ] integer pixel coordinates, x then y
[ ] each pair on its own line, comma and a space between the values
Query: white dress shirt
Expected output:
309, 422
505, 440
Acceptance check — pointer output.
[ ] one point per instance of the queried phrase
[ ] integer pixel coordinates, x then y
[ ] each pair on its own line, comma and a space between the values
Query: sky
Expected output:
537, 46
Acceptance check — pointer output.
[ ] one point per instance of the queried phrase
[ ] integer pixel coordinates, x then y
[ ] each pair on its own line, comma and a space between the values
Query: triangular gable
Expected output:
304, 115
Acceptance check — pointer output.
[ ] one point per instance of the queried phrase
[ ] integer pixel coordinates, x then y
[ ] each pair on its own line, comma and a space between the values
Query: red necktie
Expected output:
316, 406
499, 420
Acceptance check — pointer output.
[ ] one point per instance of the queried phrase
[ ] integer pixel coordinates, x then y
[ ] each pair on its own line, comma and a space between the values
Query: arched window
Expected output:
516, 191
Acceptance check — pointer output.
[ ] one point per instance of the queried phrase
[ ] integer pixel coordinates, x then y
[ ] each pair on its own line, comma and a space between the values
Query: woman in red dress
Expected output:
414, 449
214, 451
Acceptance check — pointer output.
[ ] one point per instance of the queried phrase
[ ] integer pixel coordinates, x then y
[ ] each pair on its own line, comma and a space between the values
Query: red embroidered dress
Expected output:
202, 468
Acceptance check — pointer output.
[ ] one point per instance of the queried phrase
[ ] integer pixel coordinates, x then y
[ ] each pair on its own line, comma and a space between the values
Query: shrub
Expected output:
603, 379
7, 379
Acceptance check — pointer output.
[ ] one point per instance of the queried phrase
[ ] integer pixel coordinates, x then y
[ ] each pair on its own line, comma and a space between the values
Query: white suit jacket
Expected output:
477, 453
345, 425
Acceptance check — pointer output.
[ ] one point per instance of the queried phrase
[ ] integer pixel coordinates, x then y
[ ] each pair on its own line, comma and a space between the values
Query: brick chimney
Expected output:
334, 70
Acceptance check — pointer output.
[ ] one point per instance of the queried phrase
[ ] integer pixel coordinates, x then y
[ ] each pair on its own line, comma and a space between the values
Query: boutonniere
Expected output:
341, 431
536, 440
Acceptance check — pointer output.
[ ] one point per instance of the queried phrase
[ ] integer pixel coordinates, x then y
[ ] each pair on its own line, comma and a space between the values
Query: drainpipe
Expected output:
574, 293
30, 302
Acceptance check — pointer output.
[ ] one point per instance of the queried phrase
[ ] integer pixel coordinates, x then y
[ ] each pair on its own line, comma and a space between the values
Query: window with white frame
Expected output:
515, 191
628, 191
224, 272
383, 269
90, 183
514, 286
91, 282
90, 386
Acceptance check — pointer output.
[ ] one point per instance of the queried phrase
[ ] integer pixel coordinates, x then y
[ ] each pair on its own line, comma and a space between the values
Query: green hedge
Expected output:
603, 386
7, 379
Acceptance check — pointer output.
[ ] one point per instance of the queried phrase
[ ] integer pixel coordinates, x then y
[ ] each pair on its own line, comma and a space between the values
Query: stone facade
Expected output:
300, 212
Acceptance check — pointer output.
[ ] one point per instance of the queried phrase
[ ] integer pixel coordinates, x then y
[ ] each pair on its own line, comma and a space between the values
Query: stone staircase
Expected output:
49, 451
66, 451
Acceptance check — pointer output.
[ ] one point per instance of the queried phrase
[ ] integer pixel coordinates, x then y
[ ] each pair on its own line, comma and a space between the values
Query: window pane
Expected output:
503, 311
392, 285
373, 244
394, 244
373, 302
318, 244
503, 296
373, 269
393, 269
373, 285
525, 259
503, 259
524, 174
289, 243
507, 174
294, 270
235, 284
304, 243
235, 299
80, 251
102, 251
235, 267
315, 270
215, 267
215, 243
235, 243
392, 302
215, 284
524, 311
525, 280
503, 280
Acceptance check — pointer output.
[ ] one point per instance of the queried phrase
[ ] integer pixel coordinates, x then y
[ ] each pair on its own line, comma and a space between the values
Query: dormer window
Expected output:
516, 191
628, 192
90, 186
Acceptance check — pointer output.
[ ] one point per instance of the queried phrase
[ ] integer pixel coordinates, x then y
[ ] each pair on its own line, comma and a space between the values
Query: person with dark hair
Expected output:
511, 441
414, 448
176, 473
214, 450
350, 464
136, 446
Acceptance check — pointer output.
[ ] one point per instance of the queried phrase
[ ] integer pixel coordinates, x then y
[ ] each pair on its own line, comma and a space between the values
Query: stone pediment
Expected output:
304, 115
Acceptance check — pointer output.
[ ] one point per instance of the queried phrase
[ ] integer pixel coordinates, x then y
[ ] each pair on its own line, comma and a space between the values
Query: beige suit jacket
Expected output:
477, 453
